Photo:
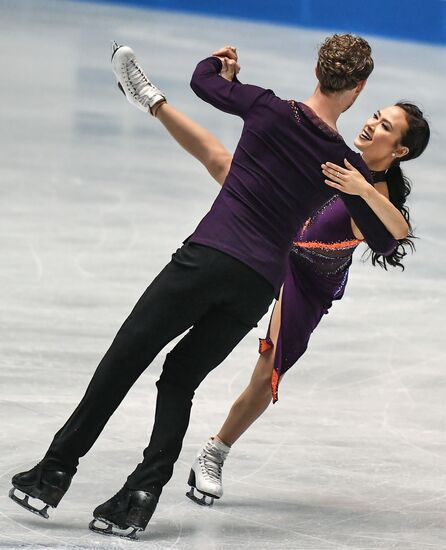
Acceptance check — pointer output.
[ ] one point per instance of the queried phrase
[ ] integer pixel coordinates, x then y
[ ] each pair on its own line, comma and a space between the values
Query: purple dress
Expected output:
316, 275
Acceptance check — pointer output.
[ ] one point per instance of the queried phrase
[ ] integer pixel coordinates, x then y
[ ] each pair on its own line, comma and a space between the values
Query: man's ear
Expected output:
360, 86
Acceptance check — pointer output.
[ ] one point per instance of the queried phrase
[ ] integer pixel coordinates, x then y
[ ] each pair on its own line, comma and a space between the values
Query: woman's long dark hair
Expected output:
415, 139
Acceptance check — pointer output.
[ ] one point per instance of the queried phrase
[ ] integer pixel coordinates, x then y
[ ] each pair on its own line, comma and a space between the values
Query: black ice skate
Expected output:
48, 486
125, 514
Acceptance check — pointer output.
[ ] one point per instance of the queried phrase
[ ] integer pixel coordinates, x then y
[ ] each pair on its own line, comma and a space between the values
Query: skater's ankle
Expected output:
156, 108
53, 465
152, 489
220, 440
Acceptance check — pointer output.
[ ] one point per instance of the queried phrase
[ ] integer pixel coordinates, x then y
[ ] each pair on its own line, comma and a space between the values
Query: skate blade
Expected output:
24, 503
114, 47
113, 530
203, 500
121, 88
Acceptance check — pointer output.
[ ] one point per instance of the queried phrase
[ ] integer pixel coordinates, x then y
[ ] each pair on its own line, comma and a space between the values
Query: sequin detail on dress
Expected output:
295, 109
316, 250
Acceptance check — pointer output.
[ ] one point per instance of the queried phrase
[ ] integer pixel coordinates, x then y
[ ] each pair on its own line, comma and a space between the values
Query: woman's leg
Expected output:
197, 141
206, 471
256, 397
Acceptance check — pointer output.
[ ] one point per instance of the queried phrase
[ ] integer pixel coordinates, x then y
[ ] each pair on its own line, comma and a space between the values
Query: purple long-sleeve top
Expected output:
275, 180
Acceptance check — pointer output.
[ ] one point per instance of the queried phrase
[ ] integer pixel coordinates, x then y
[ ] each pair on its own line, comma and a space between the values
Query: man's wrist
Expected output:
219, 61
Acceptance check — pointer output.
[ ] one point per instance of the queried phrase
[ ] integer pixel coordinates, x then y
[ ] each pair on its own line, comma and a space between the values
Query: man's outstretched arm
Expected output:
231, 97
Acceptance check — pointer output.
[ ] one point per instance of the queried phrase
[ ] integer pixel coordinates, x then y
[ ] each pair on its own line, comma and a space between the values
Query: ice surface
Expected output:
94, 199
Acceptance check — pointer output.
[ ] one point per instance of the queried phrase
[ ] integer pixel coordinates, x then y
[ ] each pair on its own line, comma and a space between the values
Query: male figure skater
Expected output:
222, 280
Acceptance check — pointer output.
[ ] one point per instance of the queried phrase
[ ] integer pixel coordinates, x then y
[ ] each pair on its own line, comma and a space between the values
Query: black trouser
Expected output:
222, 299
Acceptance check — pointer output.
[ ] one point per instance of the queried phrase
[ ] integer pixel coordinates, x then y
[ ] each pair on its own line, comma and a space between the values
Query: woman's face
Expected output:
381, 136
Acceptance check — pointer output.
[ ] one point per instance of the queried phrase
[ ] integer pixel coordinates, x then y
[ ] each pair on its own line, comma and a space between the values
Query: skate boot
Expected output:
205, 474
128, 512
48, 486
132, 80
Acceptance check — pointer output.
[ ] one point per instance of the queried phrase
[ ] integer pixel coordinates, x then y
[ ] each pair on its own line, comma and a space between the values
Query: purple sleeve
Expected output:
375, 233
231, 97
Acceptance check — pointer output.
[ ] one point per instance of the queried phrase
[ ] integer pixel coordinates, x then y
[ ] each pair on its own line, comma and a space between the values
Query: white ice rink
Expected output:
95, 197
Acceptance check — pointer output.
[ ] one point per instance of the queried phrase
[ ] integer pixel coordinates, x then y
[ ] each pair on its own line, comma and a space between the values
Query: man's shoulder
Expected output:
269, 103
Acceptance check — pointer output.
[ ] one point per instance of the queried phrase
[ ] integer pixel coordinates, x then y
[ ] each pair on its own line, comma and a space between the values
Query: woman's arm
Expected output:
378, 200
197, 141
351, 181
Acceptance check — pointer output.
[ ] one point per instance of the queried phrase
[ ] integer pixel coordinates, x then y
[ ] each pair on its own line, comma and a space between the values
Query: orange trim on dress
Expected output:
332, 246
265, 344
275, 385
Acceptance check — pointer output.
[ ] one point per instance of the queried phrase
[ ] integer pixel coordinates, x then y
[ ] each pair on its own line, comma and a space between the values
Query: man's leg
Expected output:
203, 348
182, 293
177, 297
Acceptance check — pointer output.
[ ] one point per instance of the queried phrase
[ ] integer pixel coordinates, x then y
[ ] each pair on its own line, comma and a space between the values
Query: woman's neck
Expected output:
376, 165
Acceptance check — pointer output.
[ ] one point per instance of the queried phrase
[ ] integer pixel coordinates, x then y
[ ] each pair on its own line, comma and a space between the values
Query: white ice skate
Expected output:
132, 80
205, 474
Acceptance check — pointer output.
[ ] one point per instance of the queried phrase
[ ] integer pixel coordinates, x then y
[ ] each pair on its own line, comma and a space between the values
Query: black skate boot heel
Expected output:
48, 486
203, 499
125, 514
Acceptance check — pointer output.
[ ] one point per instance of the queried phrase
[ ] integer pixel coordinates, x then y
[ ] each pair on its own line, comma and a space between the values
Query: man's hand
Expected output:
228, 57
227, 51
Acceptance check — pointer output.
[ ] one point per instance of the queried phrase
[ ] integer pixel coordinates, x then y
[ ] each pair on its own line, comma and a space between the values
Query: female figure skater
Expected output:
319, 260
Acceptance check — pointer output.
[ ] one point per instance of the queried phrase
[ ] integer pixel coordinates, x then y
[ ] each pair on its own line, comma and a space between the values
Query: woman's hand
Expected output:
348, 180
228, 57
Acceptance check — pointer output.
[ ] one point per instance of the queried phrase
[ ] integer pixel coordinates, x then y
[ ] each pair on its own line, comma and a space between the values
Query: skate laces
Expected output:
138, 79
211, 462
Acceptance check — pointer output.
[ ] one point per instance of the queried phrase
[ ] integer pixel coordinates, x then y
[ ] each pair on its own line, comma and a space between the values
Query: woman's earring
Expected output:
393, 154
